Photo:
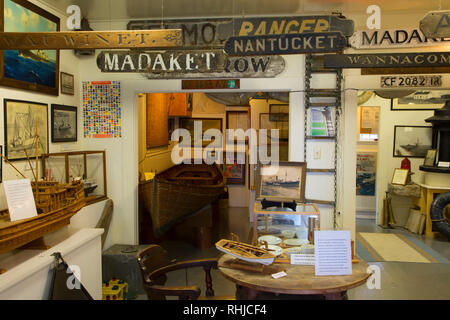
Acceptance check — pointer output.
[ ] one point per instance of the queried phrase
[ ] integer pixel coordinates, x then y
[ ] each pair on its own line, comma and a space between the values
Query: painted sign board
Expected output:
410, 70
90, 40
436, 24
180, 64
285, 44
388, 60
210, 84
212, 33
392, 38
157, 62
411, 81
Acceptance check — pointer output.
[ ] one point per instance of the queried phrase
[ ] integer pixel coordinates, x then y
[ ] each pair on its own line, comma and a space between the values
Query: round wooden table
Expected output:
300, 281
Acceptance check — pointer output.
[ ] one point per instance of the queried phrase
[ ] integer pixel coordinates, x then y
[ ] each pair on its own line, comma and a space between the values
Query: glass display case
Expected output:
90, 166
285, 229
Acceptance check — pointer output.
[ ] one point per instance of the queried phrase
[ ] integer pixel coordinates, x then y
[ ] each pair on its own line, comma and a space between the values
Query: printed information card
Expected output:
20, 199
333, 253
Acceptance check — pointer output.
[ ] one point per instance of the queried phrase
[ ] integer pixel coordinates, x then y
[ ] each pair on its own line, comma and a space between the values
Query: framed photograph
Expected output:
279, 112
321, 121
369, 119
412, 141
420, 100
64, 123
23, 120
281, 126
207, 123
400, 176
67, 83
234, 168
430, 158
282, 182
34, 70
237, 120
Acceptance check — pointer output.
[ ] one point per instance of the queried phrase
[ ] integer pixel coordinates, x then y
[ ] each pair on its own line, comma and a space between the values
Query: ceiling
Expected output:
156, 9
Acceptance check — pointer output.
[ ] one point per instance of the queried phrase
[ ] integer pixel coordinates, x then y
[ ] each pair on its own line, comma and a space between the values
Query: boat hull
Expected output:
169, 200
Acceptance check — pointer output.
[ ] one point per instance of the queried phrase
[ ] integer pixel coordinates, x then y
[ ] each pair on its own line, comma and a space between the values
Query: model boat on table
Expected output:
178, 192
245, 251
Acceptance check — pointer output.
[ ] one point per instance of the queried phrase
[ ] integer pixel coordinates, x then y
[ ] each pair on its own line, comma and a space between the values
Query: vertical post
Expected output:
37, 163
85, 165
104, 172
66, 156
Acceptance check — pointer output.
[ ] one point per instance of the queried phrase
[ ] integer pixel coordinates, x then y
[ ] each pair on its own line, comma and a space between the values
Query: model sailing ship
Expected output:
55, 202
245, 251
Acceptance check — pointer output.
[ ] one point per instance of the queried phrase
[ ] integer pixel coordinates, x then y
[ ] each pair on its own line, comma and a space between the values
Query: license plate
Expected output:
411, 81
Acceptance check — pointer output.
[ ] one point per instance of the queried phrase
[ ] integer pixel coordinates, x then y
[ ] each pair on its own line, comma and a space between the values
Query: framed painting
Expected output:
234, 168
420, 100
24, 120
64, 123
34, 70
279, 112
283, 182
281, 126
412, 141
67, 83
206, 124
366, 172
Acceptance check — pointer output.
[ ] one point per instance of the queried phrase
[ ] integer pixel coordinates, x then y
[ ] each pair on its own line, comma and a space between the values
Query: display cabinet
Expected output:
90, 166
284, 227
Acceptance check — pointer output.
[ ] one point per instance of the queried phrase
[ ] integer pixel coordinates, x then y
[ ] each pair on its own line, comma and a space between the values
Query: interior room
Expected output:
289, 150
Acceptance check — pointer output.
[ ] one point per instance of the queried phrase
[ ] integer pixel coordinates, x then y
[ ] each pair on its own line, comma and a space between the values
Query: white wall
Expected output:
69, 63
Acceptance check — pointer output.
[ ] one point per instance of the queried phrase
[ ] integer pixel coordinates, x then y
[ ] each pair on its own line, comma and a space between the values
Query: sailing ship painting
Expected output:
22, 117
25, 67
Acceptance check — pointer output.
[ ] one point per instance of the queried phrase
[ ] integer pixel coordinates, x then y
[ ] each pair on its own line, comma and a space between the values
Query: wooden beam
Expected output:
166, 38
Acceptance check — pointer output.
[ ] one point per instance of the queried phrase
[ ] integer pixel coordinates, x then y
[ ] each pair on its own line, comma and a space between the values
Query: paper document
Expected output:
333, 254
20, 199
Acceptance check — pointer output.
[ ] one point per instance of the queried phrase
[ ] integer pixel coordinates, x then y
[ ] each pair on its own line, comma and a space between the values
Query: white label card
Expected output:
302, 259
444, 164
333, 253
279, 275
20, 199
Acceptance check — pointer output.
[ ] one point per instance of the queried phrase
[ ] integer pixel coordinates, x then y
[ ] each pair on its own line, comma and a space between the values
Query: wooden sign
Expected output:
234, 67
90, 40
392, 38
259, 26
388, 60
410, 70
411, 81
210, 84
285, 44
212, 33
436, 24
181, 62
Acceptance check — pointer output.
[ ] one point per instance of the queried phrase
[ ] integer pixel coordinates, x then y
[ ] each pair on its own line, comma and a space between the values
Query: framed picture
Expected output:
366, 172
369, 119
67, 83
322, 121
34, 70
206, 123
237, 120
283, 182
281, 126
430, 158
412, 141
234, 168
279, 112
420, 100
23, 120
64, 123
400, 176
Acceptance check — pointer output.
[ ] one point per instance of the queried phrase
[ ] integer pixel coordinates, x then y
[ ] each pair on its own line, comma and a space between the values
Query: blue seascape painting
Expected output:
32, 66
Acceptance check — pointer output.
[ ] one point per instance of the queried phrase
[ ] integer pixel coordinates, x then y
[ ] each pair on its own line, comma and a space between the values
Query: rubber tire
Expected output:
437, 213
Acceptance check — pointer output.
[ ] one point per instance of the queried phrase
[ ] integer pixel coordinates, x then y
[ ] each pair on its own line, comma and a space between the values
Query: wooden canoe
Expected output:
179, 192
245, 251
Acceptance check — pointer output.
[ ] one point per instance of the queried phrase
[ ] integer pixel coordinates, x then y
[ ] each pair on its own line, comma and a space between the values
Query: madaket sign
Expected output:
392, 38
388, 60
285, 44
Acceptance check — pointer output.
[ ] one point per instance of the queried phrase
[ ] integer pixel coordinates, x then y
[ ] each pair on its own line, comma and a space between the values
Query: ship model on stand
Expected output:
55, 203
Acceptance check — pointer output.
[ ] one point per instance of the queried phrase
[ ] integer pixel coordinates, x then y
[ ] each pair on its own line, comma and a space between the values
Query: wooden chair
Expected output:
155, 264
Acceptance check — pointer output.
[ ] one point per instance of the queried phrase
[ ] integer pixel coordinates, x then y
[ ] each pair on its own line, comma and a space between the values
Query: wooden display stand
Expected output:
427, 195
